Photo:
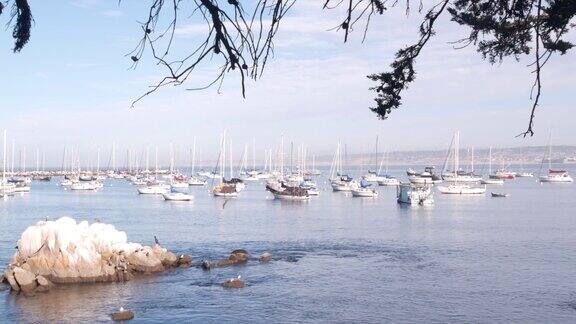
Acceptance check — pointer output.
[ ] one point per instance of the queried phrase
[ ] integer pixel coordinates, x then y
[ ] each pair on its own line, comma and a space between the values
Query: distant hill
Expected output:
510, 155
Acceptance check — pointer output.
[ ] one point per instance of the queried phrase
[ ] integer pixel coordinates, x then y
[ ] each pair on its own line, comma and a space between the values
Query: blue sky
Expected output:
72, 85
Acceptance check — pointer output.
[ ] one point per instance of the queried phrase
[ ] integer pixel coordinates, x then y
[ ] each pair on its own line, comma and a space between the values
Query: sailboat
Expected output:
195, 180
386, 179
338, 180
458, 175
456, 185
491, 180
522, 173
6, 188
364, 190
374, 176
224, 189
554, 176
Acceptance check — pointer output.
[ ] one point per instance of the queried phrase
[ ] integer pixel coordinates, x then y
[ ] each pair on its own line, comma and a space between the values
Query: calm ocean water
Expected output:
337, 258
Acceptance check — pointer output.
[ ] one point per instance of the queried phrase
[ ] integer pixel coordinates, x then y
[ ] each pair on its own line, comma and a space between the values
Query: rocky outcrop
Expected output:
236, 257
64, 252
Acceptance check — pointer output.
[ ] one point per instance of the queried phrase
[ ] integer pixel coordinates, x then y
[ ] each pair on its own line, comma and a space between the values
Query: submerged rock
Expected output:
123, 315
234, 283
265, 257
63, 251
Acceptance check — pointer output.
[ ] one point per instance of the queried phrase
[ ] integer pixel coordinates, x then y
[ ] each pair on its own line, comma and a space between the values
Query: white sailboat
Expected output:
386, 179
177, 196
364, 191
555, 175
457, 185
489, 180
6, 188
339, 181
224, 189
195, 180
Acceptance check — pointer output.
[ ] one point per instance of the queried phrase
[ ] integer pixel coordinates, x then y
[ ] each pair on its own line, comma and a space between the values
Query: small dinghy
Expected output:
177, 196
499, 195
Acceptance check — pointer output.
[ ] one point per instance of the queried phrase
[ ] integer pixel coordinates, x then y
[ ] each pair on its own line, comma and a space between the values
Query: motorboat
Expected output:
462, 189
503, 174
343, 183
177, 196
179, 184
557, 176
6, 188
426, 177
364, 190
388, 180
372, 176
414, 194
283, 192
84, 185
196, 181
310, 186
491, 181
154, 188
499, 195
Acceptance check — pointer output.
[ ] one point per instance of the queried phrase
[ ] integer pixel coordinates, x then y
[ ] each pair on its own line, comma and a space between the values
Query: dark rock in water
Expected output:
292, 258
184, 261
123, 315
238, 256
234, 283
265, 257
235, 258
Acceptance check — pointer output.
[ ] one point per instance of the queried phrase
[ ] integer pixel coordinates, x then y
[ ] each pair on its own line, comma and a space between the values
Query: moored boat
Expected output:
412, 194
177, 196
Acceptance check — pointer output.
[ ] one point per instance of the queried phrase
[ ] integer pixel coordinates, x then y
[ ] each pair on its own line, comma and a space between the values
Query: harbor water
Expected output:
466, 259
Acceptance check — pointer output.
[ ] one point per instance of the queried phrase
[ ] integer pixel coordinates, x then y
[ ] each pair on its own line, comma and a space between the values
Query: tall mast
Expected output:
490, 161
231, 169
98, 160
147, 158
253, 153
156, 160
13, 150
376, 154
24, 160
472, 161
171, 158
282, 156
550, 151
193, 155
113, 156
4, 160
37, 159
63, 160
456, 152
